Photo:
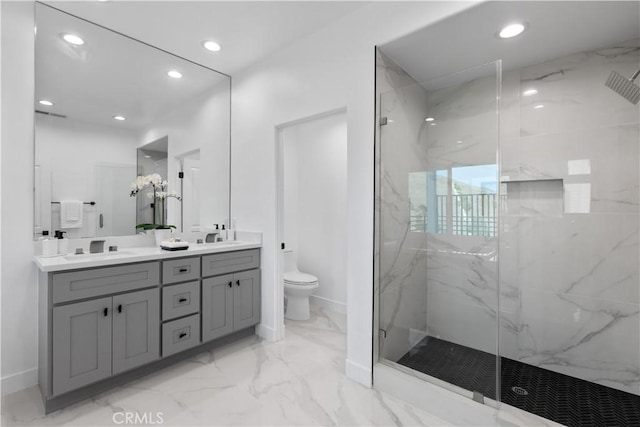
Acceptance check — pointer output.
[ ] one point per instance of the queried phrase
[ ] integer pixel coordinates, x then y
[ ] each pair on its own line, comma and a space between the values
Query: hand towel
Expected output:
71, 214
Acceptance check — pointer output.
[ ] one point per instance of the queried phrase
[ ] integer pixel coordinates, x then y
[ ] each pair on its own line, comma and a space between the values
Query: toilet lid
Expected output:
297, 277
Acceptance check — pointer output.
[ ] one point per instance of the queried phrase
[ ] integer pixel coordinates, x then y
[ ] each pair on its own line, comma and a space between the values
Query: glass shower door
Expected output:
438, 195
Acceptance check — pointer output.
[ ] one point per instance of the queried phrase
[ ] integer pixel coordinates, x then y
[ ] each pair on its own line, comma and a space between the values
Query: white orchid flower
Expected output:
155, 179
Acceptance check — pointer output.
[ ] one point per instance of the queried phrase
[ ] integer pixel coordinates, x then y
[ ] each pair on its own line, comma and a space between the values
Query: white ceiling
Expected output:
556, 28
114, 75
247, 30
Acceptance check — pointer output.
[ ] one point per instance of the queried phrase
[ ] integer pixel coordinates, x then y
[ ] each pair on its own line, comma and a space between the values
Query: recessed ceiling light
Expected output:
174, 74
429, 119
121, 118
45, 102
146, 156
73, 39
530, 92
432, 124
512, 30
211, 45
539, 106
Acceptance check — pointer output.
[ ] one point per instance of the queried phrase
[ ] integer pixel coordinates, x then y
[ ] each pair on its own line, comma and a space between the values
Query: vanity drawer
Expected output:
229, 262
102, 281
180, 270
180, 334
180, 300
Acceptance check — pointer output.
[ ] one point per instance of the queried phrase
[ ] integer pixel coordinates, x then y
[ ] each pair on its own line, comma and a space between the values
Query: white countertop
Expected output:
137, 254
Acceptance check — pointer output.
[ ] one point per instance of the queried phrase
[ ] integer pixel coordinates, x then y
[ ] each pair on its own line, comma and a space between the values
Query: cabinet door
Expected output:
217, 307
246, 299
81, 344
136, 329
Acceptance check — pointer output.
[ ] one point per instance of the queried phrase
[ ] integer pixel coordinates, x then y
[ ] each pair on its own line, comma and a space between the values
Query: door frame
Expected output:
279, 327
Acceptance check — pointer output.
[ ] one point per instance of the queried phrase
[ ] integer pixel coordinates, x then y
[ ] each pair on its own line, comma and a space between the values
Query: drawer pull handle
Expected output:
181, 300
182, 335
237, 282
183, 270
230, 284
119, 308
105, 311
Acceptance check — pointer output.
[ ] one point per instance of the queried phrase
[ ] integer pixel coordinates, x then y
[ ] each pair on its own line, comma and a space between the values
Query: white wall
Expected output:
331, 69
19, 301
315, 203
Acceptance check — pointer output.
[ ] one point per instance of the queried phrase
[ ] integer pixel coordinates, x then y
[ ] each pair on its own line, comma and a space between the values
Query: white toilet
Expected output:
298, 287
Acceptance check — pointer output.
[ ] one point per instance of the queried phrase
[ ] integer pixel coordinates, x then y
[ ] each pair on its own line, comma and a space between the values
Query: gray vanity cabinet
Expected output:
217, 307
246, 299
136, 329
102, 326
230, 303
95, 339
81, 344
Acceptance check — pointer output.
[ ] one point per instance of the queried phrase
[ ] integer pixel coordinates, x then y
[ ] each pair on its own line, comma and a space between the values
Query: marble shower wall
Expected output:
401, 258
569, 248
569, 242
462, 270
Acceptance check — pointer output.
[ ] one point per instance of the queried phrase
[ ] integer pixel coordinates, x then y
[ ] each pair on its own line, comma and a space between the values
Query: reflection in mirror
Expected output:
152, 159
107, 111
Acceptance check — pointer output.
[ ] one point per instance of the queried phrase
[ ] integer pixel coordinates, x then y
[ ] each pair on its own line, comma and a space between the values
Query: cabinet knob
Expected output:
105, 311
230, 284
183, 270
237, 282
182, 335
182, 300
119, 308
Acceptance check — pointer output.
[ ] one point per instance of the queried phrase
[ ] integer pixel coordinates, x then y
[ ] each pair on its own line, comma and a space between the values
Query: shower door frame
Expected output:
377, 331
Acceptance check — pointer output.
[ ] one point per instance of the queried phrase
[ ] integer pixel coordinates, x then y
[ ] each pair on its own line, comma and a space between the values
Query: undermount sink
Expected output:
96, 256
223, 243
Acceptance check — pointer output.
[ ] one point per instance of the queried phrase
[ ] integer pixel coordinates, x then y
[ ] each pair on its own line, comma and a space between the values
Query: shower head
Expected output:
625, 87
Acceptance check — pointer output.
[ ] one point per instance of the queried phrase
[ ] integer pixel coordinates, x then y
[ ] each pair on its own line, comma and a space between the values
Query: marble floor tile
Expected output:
297, 381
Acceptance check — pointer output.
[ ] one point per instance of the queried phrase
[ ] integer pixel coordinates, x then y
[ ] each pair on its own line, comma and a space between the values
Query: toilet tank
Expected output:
289, 261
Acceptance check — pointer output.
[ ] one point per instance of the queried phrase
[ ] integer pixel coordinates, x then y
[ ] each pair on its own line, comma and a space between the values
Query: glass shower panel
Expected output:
438, 222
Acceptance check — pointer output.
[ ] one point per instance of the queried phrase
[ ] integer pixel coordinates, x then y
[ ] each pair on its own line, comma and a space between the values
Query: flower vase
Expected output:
162, 234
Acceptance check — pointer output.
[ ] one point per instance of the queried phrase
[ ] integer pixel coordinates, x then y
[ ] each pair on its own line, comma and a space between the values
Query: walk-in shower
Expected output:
508, 206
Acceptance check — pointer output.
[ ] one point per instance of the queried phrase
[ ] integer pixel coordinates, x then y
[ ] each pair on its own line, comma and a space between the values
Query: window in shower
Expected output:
459, 200
428, 201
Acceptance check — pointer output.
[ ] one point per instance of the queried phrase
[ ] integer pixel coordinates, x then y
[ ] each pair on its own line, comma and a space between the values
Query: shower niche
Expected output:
507, 211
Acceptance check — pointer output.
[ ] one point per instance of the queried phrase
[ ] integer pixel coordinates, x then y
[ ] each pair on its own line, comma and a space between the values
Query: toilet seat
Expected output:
300, 279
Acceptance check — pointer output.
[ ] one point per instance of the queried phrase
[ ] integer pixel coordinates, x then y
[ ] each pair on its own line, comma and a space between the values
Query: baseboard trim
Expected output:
20, 381
329, 304
268, 333
358, 373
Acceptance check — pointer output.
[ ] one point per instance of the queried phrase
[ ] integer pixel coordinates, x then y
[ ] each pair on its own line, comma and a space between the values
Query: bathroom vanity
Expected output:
105, 319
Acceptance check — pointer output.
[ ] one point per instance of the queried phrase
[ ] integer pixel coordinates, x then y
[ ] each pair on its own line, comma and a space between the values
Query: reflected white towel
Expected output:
71, 214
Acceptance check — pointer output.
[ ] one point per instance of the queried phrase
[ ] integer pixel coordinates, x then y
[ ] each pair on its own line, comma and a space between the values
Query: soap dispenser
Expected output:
49, 245
63, 244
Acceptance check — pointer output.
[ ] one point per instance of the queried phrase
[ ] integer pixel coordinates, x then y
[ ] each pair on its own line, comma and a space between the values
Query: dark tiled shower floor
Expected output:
561, 398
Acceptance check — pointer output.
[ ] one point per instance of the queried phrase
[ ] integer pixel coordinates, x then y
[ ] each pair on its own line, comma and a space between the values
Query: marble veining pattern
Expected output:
297, 381
577, 280
569, 291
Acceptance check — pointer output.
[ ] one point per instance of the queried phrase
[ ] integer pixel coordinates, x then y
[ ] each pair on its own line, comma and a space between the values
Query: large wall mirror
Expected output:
110, 110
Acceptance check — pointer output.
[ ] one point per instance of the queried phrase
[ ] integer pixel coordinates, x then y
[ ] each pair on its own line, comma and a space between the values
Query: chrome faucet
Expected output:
96, 246
211, 237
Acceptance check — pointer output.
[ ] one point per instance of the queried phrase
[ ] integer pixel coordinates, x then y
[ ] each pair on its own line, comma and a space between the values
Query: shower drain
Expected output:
519, 390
